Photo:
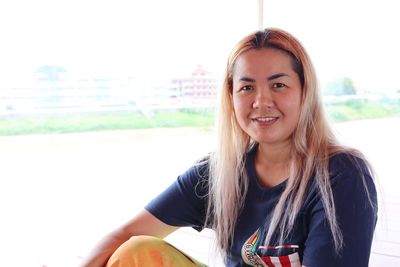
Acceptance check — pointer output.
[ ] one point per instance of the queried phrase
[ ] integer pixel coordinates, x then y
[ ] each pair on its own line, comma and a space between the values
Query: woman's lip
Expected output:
265, 121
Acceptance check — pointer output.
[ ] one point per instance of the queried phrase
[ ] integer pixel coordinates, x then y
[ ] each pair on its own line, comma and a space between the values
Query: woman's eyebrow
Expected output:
276, 76
247, 79
272, 77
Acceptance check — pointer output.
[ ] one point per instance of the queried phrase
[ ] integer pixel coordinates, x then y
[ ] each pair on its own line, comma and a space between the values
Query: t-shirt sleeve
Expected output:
355, 215
183, 203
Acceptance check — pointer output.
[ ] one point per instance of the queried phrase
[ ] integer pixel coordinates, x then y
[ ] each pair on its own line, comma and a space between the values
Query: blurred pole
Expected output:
261, 15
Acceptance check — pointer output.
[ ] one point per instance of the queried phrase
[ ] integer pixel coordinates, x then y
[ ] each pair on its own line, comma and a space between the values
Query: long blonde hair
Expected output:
313, 143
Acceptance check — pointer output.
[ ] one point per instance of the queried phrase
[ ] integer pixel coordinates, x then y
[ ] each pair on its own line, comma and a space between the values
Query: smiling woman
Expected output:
274, 187
78, 66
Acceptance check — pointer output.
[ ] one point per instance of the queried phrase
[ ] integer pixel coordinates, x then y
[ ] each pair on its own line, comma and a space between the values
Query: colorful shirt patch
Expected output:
251, 253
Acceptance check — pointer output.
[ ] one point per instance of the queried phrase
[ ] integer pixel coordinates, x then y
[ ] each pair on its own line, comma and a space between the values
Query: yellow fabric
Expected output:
147, 251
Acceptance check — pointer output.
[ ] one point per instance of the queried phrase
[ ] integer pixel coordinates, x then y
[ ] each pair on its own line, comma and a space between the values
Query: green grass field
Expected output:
361, 109
337, 112
102, 122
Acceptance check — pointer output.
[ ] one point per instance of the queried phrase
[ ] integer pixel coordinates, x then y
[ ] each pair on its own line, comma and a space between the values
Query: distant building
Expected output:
52, 94
199, 88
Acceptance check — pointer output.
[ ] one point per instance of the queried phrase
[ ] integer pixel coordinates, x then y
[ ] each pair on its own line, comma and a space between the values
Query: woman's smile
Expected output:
265, 121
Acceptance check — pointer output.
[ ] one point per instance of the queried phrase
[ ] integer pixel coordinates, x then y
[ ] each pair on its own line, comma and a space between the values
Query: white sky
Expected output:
153, 41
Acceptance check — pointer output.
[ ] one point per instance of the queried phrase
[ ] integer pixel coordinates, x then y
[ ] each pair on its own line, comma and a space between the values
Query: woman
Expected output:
278, 190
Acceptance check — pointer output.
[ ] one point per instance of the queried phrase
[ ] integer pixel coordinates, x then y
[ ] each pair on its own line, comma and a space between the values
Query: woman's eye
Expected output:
279, 85
246, 88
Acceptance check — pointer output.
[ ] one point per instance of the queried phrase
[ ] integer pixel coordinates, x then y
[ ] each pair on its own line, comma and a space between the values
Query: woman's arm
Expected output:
178, 205
142, 224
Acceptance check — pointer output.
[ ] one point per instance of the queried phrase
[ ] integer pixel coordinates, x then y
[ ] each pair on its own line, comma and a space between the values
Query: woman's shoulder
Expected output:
196, 173
348, 162
201, 167
349, 170
350, 175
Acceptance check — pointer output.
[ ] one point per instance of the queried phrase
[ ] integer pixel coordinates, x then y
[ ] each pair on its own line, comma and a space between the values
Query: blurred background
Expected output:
104, 103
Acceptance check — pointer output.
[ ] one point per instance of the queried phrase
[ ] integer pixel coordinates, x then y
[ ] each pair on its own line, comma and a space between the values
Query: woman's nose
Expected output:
263, 99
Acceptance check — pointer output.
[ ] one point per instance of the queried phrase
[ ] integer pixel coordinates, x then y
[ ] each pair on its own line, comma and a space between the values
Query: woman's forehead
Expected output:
265, 59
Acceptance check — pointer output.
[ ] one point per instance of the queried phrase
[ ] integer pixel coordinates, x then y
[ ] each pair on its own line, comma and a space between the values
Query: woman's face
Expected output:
266, 95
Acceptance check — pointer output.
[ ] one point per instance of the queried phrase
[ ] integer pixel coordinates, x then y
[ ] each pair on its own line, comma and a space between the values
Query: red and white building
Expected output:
199, 88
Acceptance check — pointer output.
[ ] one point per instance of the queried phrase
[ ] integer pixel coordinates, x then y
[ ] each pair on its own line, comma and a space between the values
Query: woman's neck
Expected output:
272, 164
275, 154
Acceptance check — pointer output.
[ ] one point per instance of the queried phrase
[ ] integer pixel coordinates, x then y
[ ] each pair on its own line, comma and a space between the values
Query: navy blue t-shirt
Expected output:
184, 203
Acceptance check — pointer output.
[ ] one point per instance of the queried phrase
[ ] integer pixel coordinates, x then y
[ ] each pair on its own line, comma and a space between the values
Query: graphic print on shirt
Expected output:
251, 253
